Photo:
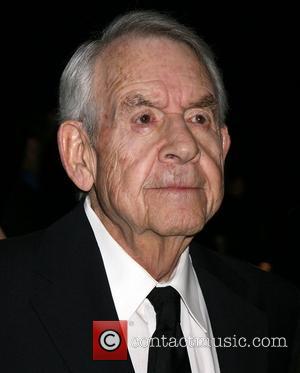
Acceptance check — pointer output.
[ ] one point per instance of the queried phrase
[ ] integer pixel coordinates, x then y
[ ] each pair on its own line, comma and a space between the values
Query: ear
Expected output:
225, 138
77, 154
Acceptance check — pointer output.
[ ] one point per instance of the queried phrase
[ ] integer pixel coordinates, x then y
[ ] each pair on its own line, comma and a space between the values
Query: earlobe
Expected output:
76, 154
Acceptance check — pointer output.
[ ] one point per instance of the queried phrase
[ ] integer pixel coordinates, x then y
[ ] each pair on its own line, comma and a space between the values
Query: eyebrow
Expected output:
136, 100
205, 101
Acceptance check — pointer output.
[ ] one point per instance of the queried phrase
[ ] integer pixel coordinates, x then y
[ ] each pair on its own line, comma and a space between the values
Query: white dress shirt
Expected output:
130, 284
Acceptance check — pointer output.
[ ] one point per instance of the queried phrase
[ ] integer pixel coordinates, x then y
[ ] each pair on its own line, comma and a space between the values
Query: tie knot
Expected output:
166, 302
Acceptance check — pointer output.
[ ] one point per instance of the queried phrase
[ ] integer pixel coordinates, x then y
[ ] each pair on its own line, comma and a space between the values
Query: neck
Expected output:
158, 255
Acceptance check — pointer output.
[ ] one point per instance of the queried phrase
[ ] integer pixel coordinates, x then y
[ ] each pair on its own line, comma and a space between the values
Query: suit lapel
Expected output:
71, 290
230, 313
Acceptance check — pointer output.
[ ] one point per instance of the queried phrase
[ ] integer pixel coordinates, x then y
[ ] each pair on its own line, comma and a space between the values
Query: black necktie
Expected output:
164, 357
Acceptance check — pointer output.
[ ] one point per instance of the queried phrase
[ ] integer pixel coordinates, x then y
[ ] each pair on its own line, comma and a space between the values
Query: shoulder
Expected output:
18, 255
266, 290
276, 299
267, 286
18, 250
16, 262
16, 258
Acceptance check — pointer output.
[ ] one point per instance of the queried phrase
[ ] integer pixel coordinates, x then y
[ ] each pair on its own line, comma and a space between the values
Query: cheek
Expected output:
212, 168
113, 164
212, 156
123, 169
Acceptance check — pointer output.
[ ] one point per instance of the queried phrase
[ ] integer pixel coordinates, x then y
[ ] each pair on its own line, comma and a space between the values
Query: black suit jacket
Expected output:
53, 285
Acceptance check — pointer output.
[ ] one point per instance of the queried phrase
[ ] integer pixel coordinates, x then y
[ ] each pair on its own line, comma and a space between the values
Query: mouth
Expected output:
177, 188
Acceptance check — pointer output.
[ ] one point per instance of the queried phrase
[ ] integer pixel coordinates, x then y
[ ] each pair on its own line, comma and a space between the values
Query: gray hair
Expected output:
76, 97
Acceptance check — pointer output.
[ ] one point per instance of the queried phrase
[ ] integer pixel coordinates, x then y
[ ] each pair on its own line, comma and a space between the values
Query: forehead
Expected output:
157, 65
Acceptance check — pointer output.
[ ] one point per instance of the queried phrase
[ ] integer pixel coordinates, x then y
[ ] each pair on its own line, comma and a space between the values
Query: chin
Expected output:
177, 221
179, 229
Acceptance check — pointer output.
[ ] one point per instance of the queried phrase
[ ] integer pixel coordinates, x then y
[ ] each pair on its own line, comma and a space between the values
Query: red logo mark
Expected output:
110, 340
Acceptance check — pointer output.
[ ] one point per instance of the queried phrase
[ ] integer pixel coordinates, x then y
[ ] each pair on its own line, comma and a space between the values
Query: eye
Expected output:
200, 118
144, 119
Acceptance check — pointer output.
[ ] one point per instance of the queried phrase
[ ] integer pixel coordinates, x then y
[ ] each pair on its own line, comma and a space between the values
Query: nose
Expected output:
180, 144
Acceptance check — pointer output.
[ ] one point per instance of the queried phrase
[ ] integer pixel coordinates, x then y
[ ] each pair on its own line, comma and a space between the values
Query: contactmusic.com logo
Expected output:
110, 340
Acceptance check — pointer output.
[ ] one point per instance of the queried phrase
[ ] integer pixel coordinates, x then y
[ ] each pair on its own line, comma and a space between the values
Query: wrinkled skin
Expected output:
159, 153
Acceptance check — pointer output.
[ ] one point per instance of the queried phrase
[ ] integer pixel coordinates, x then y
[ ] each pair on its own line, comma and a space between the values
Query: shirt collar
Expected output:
185, 281
130, 283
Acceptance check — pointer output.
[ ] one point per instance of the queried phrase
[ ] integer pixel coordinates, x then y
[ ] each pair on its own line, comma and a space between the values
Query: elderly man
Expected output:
143, 134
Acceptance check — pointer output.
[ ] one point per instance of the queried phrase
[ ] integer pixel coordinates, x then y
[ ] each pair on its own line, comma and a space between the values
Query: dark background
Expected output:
256, 49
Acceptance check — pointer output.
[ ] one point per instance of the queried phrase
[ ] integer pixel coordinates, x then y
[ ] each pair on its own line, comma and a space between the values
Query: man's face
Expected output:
159, 150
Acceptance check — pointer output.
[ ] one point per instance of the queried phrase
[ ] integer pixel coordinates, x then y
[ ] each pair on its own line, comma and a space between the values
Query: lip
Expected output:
177, 188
